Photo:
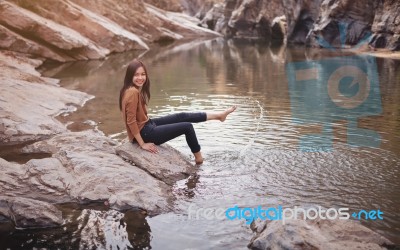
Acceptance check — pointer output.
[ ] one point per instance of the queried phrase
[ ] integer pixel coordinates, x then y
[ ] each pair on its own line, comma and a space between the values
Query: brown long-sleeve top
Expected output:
134, 112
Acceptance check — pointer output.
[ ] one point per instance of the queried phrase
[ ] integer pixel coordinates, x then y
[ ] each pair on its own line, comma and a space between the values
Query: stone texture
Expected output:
252, 18
168, 165
169, 5
90, 169
85, 167
307, 20
300, 16
29, 103
386, 25
66, 42
315, 234
215, 19
278, 29
199, 8
81, 30
343, 22
29, 213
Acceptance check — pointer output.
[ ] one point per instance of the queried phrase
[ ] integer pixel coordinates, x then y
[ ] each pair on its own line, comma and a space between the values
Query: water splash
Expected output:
102, 230
259, 119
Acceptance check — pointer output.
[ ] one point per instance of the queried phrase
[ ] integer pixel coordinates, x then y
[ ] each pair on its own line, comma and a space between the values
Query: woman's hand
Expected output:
151, 147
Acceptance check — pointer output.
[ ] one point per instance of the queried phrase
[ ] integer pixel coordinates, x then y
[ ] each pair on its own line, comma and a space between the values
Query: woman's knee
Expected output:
189, 127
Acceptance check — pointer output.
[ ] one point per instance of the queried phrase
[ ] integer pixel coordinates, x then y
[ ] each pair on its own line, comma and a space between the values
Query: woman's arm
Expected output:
131, 120
151, 147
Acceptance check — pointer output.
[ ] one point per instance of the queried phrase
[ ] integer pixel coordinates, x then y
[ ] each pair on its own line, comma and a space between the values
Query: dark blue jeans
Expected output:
163, 129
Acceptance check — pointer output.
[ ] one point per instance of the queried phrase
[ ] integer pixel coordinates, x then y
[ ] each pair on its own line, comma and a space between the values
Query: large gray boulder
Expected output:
168, 165
315, 234
85, 167
29, 103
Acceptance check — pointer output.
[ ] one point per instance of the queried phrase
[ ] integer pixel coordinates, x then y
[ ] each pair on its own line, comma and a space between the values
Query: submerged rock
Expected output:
29, 213
315, 234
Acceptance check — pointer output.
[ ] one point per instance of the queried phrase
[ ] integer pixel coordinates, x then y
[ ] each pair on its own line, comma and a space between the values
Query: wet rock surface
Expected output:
30, 213
85, 167
315, 234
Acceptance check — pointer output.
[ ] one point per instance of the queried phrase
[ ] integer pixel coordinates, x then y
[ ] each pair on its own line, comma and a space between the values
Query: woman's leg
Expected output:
163, 133
172, 126
221, 115
193, 117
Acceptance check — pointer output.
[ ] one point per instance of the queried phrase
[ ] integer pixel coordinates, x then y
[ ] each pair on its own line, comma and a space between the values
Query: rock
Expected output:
168, 5
278, 29
168, 165
386, 26
29, 103
316, 234
199, 8
215, 19
343, 22
66, 42
250, 20
81, 30
85, 167
300, 17
180, 23
98, 28
30, 213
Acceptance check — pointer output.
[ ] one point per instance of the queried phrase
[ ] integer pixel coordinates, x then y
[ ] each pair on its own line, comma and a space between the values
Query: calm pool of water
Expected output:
296, 139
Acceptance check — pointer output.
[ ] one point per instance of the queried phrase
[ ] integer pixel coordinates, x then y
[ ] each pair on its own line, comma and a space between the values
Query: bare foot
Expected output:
198, 158
226, 113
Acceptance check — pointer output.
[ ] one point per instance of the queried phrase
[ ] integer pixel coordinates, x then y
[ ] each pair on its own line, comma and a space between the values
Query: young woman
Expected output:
133, 99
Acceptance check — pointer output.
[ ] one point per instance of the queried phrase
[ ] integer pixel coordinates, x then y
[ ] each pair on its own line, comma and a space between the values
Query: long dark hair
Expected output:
128, 82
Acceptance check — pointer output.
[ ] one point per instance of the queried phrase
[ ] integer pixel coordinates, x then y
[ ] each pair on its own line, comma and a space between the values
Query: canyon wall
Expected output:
80, 30
326, 23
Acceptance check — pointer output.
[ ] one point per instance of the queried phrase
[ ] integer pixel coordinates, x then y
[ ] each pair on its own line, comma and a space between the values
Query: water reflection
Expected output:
254, 158
90, 226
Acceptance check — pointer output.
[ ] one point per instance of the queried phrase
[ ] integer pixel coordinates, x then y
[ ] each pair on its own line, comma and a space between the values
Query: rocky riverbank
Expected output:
88, 166
82, 166
85, 166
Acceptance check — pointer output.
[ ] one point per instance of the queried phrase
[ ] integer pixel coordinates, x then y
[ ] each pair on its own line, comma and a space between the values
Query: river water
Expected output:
303, 135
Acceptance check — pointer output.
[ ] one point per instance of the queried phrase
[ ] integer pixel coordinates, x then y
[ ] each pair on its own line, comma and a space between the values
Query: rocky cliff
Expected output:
79, 30
319, 23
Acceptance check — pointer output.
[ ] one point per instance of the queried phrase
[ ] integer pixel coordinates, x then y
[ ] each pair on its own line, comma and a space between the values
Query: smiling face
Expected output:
139, 78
